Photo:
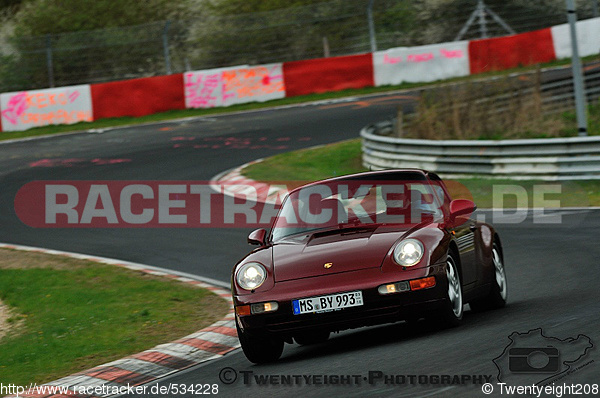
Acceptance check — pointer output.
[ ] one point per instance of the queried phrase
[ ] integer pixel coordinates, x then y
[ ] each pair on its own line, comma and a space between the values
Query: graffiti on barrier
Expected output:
228, 86
421, 64
202, 90
27, 109
423, 57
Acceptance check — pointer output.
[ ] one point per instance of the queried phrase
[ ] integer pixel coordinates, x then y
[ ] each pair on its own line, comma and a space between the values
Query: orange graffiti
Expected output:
250, 82
57, 117
43, 100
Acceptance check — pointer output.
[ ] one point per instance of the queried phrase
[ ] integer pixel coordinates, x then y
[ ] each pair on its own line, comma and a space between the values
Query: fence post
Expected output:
49, 62
371, 26
326, 52
482, 26
580, 100
166, 47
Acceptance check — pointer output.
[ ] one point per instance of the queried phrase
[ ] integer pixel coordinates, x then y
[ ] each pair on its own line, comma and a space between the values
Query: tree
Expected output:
41, 17
261, 31
89, 40
4, 4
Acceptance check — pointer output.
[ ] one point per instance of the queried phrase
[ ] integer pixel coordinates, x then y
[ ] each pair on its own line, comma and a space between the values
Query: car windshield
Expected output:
359, 202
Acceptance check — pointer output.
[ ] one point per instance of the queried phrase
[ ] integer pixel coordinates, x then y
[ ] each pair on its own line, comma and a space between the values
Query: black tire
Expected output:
498, 292
309, 338
260, 349
451, 313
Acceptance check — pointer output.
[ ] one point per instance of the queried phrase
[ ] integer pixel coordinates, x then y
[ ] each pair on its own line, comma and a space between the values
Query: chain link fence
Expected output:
325, 29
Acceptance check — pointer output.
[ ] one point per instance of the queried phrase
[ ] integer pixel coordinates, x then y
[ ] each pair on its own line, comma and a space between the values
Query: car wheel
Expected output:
309, 338
451, 313
260, 349
498, 293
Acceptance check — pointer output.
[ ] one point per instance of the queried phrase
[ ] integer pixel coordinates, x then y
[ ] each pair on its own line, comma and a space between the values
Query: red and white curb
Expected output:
209, 343
233, 183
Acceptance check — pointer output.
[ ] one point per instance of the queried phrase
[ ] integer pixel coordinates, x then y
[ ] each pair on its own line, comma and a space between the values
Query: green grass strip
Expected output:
70, 315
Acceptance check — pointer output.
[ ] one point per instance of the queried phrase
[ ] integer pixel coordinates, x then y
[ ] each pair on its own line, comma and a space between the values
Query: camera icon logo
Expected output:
534, 360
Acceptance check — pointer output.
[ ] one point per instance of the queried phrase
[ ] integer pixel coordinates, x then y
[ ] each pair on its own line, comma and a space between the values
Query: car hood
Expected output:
305, 256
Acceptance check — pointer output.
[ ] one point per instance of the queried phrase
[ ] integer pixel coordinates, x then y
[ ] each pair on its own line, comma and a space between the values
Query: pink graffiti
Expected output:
451, 53
391, 60
420, 57
17, 105
73, 96
200, 92
268, 79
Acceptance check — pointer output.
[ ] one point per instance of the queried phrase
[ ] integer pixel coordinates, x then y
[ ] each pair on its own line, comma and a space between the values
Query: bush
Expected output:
503, 108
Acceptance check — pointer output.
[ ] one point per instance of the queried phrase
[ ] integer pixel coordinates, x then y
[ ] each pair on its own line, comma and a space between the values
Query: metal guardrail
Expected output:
575, 158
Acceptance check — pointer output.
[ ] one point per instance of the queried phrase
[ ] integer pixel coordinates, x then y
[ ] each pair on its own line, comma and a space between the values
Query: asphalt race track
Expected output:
552, 268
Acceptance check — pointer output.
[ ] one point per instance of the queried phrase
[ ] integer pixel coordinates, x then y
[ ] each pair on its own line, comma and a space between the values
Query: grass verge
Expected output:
71, 315
345, 158
507, 108
179, 114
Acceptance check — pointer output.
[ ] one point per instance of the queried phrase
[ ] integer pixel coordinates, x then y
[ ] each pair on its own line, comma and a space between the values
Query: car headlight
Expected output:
408, 252
251, 275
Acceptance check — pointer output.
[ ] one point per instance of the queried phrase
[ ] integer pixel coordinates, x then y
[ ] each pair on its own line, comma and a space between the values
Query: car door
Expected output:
464, 235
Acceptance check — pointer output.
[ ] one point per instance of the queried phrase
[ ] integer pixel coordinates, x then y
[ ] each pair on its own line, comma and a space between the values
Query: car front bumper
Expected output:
377, 308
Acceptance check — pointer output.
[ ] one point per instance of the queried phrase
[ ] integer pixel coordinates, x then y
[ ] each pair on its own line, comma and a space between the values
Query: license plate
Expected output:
327, 303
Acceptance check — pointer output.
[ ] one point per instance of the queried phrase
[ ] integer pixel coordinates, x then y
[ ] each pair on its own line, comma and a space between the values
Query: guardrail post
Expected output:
398, 131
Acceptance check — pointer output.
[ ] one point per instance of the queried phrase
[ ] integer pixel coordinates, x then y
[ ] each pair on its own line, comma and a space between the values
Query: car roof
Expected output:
376, 175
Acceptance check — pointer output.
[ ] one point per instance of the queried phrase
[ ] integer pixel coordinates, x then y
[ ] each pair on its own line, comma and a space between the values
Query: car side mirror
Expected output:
257, 237
460, 211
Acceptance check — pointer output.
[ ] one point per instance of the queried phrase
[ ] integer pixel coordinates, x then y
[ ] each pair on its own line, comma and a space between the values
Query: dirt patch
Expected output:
8, 324
18, 259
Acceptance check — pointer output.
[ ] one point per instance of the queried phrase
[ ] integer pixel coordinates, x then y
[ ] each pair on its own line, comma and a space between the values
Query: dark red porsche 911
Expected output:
361, 250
